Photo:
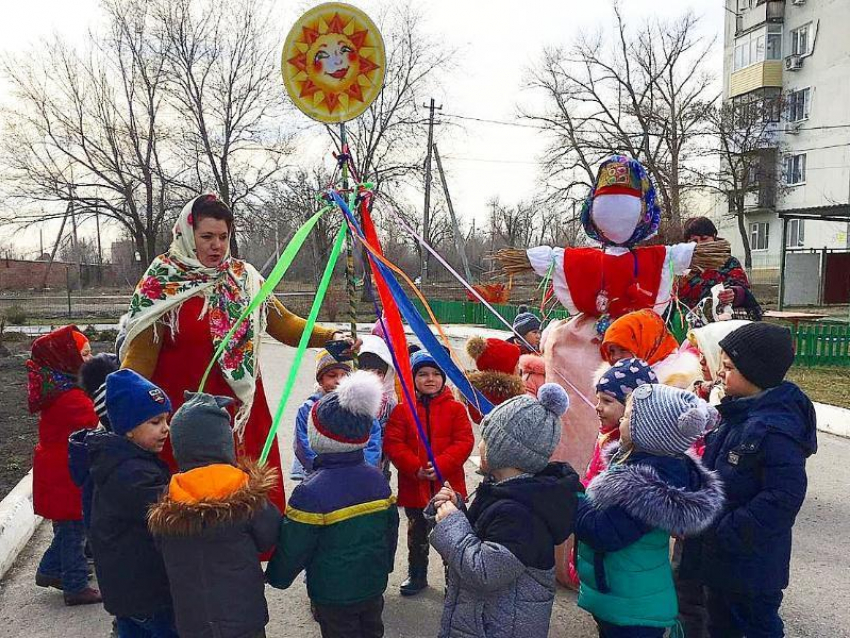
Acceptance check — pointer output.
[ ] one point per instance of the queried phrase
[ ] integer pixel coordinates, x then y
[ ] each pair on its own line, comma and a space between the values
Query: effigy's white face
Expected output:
616, 215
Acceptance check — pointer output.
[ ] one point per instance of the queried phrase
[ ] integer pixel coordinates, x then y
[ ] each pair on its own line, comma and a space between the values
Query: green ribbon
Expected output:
295, 366
268, 286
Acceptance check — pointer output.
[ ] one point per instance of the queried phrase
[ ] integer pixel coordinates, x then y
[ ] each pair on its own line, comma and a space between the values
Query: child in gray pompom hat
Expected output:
500, 553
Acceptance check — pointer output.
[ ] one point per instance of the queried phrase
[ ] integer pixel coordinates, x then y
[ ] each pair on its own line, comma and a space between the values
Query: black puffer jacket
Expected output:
211, 535
127, 481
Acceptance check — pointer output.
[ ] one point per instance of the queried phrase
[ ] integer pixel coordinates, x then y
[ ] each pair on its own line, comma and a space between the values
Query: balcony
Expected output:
769, 11
756, 76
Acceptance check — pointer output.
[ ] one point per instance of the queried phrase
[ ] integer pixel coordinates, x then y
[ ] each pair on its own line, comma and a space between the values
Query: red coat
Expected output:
55, 496
450, 435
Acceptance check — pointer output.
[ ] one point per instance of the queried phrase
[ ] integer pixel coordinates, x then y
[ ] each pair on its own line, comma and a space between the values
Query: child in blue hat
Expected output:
129, 477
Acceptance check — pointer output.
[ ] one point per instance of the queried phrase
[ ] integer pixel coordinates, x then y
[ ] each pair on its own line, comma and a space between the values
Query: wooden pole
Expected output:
349, 247
426, 216
55, 247
458, 240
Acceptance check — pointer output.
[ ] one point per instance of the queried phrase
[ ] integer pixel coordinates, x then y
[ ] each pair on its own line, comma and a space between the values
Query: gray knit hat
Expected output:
523, 432
668, 421
201, 432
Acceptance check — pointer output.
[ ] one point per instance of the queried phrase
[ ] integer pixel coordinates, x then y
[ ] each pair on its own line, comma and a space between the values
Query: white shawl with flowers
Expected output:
176, 276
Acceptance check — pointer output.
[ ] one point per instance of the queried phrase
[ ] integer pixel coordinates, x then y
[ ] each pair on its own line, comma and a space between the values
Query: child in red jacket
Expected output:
63, 408
449, 434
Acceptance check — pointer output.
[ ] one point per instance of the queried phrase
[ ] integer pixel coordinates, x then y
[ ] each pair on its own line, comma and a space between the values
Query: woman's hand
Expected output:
354, 343
445, 510
727, 296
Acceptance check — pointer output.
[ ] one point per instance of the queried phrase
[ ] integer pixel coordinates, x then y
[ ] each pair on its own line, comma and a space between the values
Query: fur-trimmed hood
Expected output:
172, 517
497, 386
532, 363
639, 488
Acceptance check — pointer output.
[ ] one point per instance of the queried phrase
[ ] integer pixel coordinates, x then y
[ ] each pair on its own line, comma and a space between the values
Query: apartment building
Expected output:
795, 53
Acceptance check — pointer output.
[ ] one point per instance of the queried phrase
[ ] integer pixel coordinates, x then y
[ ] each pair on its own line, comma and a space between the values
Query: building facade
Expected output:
795, 54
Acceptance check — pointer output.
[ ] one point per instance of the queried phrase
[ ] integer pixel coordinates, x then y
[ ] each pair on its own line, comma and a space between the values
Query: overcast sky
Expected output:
496, 40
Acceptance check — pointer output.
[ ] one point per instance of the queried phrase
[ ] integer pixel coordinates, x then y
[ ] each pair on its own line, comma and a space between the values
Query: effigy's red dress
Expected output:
183, 358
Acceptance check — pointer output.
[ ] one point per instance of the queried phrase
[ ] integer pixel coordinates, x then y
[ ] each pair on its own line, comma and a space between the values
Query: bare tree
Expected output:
224, 84
388, 141
87, 127
644, 93
744, 153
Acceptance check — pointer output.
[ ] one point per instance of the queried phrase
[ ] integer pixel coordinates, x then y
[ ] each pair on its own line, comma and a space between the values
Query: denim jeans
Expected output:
65, 558
160, 625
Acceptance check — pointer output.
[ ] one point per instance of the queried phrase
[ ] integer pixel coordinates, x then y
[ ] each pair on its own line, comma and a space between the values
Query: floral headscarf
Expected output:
176, 276
619, 174
53, 366
642, 333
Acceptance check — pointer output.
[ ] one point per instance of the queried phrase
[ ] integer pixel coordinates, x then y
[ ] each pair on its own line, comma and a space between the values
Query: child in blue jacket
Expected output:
329, 374
767, 432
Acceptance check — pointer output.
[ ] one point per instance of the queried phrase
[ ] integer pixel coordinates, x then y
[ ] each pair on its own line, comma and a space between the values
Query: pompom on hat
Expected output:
494, 354
523, 432
341, 421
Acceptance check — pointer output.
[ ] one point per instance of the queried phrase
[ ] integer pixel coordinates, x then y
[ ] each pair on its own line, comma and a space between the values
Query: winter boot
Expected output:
417, 580
88, 596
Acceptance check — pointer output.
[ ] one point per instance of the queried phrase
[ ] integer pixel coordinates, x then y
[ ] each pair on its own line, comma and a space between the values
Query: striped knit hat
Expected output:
92, 377
325, 362
666, 420
341, 421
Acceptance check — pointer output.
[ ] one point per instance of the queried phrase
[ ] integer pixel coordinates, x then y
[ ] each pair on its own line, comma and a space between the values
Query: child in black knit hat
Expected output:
759, 450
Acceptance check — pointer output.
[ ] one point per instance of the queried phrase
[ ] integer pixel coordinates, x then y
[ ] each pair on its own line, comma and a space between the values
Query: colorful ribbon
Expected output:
295, 366
268, 286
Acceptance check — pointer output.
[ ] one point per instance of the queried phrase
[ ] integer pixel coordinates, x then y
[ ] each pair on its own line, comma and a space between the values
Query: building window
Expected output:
800, 40
795, 169
774, 42
758, 46
795, 234
745, 5
759, 235
798, 105
762, 105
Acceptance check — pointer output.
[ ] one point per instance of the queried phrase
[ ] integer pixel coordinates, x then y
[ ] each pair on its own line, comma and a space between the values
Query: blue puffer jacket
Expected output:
760, 451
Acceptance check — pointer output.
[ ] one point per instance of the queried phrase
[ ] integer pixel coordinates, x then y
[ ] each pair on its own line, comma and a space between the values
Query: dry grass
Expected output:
825, 385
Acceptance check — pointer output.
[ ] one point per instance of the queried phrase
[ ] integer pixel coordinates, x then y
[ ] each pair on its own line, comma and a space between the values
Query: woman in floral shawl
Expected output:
185, 304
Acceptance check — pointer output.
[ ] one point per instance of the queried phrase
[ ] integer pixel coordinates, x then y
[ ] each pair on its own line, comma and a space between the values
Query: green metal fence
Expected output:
822, 345
468, 312
817, 344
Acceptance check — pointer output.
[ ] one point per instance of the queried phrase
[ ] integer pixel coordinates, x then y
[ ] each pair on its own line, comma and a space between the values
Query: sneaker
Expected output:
43, 580
88, 596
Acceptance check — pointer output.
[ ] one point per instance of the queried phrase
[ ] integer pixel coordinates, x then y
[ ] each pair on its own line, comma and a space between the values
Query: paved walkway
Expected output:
815, 604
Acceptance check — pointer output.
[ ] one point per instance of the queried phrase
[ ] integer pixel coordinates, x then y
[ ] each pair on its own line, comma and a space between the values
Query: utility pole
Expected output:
99, 246
426, 220
458, 242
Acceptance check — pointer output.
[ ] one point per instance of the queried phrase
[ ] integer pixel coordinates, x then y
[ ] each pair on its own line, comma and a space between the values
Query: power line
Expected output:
483, 120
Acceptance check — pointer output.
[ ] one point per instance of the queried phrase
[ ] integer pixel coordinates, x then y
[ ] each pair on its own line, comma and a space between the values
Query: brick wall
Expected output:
17, 274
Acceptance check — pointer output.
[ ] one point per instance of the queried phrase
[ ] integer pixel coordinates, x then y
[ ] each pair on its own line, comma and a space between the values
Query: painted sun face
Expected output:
335, 62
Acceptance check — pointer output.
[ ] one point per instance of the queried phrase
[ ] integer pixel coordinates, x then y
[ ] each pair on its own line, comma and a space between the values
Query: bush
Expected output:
15, 315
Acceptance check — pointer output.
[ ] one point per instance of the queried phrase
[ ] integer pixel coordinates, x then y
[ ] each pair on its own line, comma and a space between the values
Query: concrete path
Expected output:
815, 604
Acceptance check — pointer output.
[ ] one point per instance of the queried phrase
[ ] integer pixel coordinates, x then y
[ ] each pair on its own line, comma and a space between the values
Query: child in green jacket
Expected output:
341, 523
651, 490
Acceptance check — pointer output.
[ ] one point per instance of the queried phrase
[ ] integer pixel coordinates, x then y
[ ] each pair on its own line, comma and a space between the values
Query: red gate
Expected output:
836, 285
